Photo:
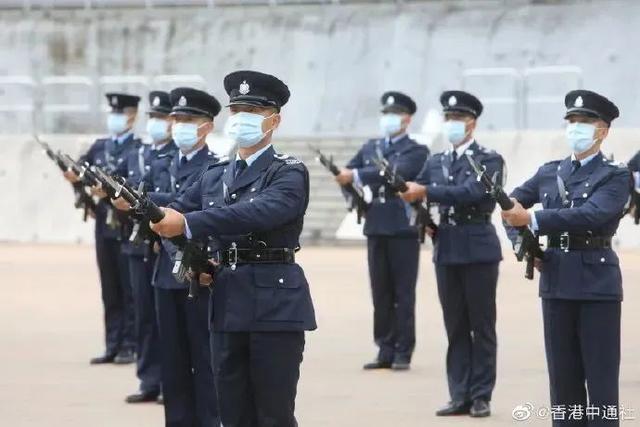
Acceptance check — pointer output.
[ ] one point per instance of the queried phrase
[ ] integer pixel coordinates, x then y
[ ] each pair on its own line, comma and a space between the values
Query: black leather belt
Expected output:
233, 256
464, 219
571, 242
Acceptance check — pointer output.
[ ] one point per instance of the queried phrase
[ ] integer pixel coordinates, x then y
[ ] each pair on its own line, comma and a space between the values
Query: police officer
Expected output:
187, 371
141, 254
111, 154
393, 246
466, 255
261, 299
583, 197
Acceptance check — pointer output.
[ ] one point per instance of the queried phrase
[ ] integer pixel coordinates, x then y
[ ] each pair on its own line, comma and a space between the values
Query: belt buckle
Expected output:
565, 241
233, 256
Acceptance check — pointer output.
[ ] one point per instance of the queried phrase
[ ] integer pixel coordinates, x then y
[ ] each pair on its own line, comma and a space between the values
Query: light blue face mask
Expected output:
580, 136
455, 131
116, 123
158, 129
185, 135
390, 124
246, 128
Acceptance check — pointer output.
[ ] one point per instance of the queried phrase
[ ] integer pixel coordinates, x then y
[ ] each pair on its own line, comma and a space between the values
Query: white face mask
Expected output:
185, 135
246, 128
580, 136
117, 123
158, 129
455, 131
390, 124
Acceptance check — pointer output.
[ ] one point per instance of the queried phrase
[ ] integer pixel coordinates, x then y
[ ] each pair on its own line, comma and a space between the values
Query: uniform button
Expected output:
177, 185
435, 184
281, 280
210, 203
545, 195
253, 189
586, 184
585, 195
601, 259
250, 200
130, 173
233, 196
157, 188
224, 170
450, 178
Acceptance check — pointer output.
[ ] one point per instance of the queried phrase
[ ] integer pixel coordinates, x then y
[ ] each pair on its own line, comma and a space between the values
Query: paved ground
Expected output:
50, 325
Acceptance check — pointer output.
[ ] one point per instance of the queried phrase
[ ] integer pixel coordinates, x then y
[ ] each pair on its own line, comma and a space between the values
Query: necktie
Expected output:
575, 165
241, 165
454, 156
183, 161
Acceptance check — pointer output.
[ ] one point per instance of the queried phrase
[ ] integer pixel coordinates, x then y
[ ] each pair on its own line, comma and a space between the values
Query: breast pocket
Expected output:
280, 292
211, 200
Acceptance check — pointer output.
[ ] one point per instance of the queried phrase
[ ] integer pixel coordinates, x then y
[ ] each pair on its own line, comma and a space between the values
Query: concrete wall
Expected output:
338, 59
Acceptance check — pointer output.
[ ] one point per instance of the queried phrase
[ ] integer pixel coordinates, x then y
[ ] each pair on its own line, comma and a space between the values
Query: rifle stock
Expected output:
421, 217
356, 195
527, 246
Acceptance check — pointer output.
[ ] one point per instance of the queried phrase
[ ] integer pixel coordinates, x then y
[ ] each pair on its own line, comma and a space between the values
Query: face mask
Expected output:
580, 136
185, 135
455, 131
157, 129
116, 123
390, 124
246, 128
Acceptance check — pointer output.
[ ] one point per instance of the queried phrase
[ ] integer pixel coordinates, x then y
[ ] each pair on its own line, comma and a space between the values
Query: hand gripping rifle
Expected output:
420, 215
527, 246
191, 256
354, 194
83, 200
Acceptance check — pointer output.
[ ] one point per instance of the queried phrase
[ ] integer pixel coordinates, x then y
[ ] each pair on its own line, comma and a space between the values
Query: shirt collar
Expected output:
192, 154
252, 158
585, 160
158, 147
395, 138
464, 147
122, 138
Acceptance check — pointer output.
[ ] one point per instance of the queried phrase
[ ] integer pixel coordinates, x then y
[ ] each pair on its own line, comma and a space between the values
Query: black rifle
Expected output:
355, 195
83, 200
527, 245
191, 256
421, 215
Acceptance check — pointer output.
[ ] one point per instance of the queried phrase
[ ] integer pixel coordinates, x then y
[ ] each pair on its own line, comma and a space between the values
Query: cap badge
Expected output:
244, 88
391, 100
156, 101
452, 101
114, 100
182, 101
578, 102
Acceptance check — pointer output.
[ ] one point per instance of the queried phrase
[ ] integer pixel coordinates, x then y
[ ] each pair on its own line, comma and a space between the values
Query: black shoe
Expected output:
142, 397
100, 360
454, 408
124, 357
160, 399
480, 408
377, 364
401, 364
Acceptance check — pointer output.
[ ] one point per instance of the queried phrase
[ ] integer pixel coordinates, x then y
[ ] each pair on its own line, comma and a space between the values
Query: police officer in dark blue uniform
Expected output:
261, 299
583, 198
466, 255
187, 370
141, 253
393, 246
111, 154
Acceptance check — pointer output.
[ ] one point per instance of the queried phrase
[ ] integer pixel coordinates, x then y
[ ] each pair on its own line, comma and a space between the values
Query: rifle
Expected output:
191, 256
421, 215
82, 199
527, 245
354, 194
